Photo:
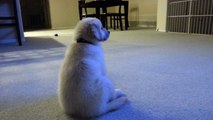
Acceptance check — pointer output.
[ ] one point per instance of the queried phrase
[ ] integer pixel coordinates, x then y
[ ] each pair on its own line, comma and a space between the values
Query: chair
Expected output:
85, 14
12, 21
116, 17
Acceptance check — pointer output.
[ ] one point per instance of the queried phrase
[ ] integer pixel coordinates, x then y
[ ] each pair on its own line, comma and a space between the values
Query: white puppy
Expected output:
84, 89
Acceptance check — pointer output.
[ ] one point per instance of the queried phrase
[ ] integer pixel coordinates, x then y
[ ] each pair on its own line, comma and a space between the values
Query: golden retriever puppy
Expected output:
84, 89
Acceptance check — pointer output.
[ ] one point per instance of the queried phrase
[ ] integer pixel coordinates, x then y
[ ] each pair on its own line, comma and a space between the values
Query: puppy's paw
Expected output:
119, 93
123, 99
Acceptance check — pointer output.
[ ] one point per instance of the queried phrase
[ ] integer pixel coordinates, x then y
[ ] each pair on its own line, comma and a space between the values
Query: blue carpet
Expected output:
166, 76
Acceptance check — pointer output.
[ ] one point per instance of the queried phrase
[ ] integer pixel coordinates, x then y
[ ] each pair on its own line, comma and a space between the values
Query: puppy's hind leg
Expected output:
118, 93
116, 103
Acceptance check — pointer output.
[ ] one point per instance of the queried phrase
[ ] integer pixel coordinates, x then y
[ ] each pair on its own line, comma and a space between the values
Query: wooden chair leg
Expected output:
120, 21
114, 17
110, 21
106, 22
117, 22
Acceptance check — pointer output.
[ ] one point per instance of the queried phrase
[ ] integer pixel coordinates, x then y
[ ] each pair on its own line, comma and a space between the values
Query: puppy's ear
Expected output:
93, 31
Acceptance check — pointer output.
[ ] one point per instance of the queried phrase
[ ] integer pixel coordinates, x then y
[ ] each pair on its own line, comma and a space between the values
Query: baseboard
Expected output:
160, 30
67, 27
143, 24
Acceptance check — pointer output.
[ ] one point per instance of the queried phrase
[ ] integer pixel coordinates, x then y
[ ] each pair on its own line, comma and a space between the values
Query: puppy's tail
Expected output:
116, 103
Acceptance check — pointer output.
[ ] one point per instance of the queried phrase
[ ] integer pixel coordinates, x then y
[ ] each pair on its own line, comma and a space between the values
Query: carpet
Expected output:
166, 76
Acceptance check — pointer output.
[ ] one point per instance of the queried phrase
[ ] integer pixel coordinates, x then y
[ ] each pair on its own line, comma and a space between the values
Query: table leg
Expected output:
126, 10
102, 18
80, 9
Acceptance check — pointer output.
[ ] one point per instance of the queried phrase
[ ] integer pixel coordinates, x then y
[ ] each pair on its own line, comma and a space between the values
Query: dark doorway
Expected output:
35, 14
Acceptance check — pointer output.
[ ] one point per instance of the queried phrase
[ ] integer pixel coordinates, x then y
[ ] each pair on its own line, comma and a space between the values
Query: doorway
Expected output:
35, 14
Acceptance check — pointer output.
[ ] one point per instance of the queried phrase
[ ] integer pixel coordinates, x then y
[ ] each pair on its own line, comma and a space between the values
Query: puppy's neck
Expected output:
81, 40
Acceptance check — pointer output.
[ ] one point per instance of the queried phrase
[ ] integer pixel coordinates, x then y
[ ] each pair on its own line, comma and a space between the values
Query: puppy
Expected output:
84, 89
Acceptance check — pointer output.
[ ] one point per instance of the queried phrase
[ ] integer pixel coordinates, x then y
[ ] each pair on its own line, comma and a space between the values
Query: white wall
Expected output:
64, 13
8, 34
143, 13
161, 15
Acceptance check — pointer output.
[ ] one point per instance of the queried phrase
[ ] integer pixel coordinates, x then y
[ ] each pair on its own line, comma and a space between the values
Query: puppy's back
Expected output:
77, 86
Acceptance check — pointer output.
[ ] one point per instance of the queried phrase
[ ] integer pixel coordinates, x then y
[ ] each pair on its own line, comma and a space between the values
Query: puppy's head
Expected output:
91, 30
